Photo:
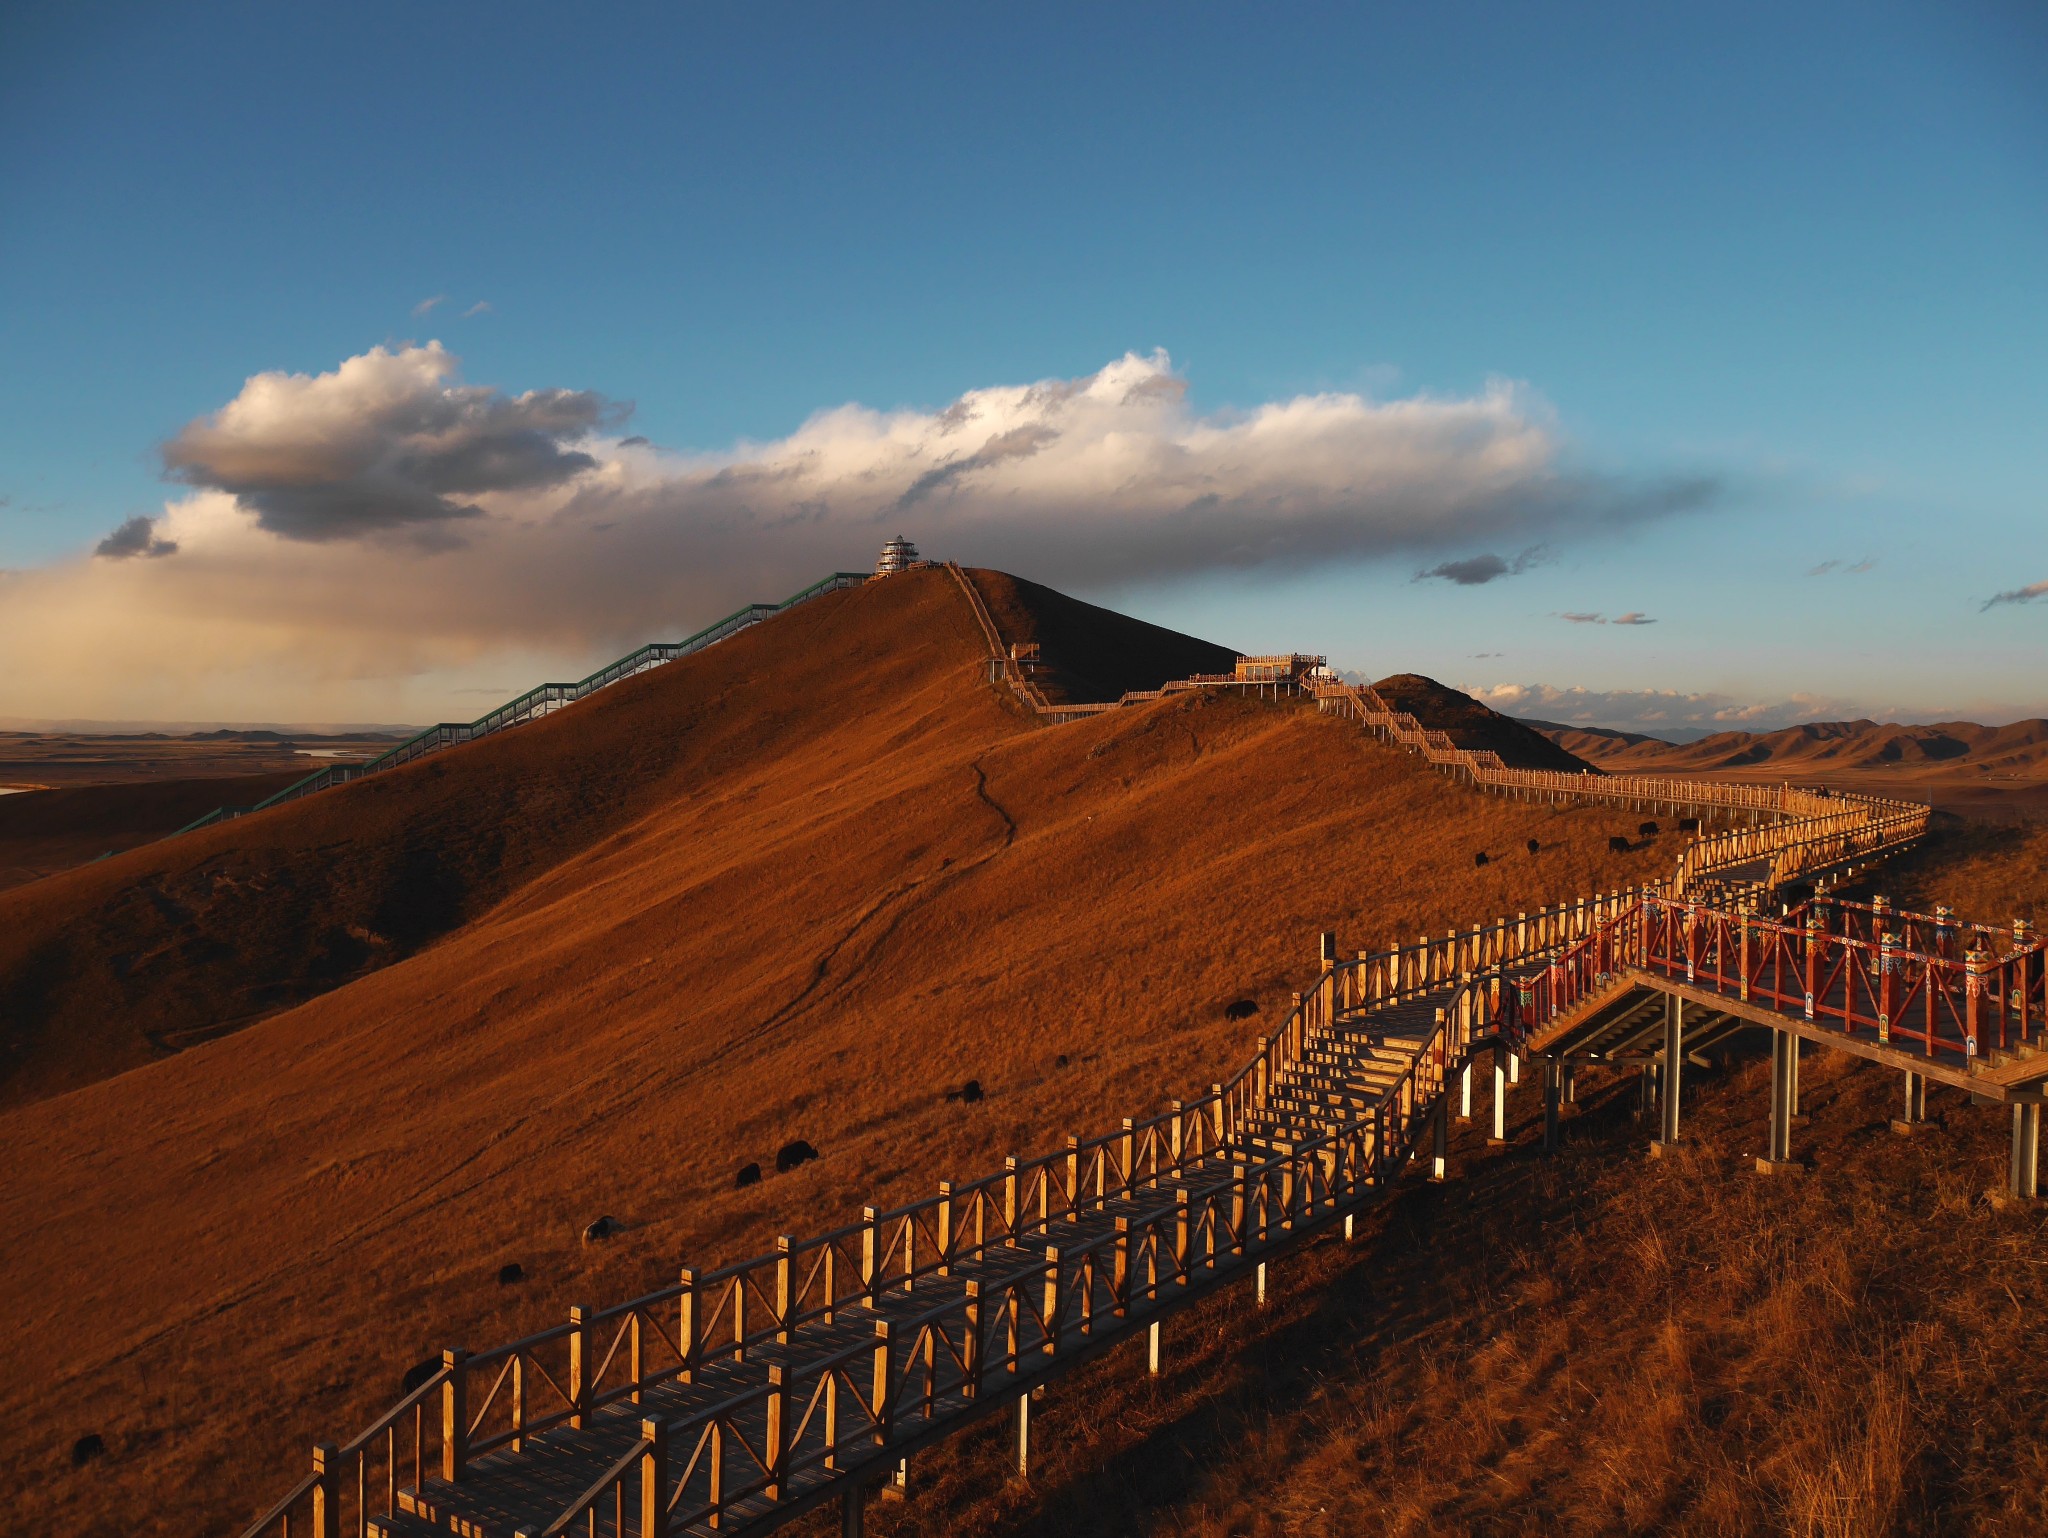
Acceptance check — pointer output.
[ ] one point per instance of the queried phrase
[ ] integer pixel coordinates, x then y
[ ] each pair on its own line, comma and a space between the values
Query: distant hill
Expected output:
2018, 750
1470, 724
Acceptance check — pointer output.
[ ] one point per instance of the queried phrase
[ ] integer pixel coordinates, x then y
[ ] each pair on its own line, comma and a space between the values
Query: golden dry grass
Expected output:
1591, 1342
816, 877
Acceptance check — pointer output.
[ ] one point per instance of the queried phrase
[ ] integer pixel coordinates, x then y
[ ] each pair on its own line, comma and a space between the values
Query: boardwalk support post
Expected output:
1259, 1285
1500, 1097
1553, 1093
1465, 1091
1152, 1348
1915, 1119
853, 1506
1024, 1435
1671, 1073
2024, 1179
1784, 1090
1441, 1166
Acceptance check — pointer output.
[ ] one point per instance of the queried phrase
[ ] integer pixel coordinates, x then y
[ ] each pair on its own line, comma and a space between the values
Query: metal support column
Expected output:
2024, 1181
1784, 1086
1915, 1119
1553, 1093
1672, 1073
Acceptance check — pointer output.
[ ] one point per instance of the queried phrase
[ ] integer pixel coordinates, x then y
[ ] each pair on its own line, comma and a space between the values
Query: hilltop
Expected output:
1470, 724
800, 885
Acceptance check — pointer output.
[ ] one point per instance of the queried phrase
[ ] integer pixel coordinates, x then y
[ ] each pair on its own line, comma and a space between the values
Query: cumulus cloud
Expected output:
137, 536
1479, 569
1658, 712
299, 584
387, 441
2025, 594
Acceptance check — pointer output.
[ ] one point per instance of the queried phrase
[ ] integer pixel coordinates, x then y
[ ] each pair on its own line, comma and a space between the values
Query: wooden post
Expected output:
1500, 1097
326, 1492
1152, 1348
774, 1451
784, 1286
1120, 1270
1053, 1301
870, 1253
883, 1384
454, 1416
580, 1364
689, 1329
1261, 1284
1024, 1435
971, 1347
945, 1227
1073, 1192
654, 1478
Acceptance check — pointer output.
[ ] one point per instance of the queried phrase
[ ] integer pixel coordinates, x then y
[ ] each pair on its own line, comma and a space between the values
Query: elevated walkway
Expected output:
738, 1399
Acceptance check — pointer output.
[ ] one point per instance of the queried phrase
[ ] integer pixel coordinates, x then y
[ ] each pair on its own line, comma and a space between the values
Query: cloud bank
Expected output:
1659, 712
377, 534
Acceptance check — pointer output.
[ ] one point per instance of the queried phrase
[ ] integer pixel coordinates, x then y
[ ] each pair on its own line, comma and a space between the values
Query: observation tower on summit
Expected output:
898, 554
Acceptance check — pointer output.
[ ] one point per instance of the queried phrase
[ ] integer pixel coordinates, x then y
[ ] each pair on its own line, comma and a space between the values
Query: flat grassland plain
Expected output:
283, 1095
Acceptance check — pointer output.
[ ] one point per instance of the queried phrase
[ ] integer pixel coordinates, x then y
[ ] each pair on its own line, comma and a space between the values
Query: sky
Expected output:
1646, 366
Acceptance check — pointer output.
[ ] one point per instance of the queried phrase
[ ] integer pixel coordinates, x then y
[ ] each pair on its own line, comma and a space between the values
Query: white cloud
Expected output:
1656, 711
426, 306
361, 541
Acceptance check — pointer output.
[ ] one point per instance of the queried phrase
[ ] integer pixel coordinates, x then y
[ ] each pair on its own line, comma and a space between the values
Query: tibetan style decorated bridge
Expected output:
736, 1399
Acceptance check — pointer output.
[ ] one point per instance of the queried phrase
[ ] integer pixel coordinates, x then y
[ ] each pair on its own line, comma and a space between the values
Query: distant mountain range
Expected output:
2017, 751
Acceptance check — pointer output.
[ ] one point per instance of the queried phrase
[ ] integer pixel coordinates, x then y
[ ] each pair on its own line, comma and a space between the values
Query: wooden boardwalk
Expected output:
681, 1413
737, 1399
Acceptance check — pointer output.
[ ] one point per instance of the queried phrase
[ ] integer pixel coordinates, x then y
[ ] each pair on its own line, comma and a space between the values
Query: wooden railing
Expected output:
539, 701
844, 1402
817, 1414
1956, 990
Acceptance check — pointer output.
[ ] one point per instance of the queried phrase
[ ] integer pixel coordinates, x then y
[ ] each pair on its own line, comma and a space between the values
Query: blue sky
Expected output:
1794, 255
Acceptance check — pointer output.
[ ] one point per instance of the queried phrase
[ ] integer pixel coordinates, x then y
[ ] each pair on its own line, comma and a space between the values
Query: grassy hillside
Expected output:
837, 875
46, 831
1590, 1342
1470, 724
